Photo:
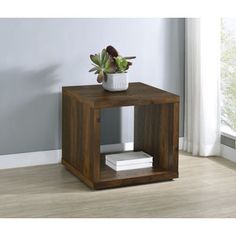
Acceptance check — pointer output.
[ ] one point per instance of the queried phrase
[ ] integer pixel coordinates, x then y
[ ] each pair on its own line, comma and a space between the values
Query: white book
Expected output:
129, 167
128, 158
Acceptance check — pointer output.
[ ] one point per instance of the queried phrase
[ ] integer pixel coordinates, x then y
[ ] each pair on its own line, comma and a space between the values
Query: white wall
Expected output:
39, 56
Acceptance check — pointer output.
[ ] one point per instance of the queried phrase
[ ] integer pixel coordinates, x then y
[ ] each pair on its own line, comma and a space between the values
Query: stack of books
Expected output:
129, 160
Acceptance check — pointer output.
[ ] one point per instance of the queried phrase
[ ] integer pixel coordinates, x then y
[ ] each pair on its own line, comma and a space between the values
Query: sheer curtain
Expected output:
202, 75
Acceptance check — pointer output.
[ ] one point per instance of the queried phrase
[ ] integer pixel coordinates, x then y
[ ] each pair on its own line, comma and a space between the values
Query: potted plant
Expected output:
111, 69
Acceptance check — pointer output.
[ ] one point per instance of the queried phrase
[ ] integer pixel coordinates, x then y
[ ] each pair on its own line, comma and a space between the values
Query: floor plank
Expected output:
206, 188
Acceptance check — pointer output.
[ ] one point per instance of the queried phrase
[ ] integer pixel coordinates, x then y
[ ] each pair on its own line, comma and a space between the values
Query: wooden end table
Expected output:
156, 132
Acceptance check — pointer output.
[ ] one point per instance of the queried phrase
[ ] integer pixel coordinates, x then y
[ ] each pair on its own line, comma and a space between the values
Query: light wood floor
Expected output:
206, 188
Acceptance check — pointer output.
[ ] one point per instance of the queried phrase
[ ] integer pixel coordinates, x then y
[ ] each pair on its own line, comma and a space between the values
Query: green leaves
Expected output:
107, 62
94, 69
103, 64
95, 59
122, 64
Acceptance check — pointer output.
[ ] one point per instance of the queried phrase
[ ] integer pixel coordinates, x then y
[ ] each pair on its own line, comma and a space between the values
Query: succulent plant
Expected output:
122, 64
112, 51
109, 61
103, 64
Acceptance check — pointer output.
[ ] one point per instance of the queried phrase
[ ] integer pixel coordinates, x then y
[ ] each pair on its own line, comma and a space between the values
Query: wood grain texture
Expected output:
155, 132
206, 188
137, 94
80, 138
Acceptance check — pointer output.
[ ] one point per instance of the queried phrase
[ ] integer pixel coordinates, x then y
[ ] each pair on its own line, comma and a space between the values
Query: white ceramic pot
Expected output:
116, 82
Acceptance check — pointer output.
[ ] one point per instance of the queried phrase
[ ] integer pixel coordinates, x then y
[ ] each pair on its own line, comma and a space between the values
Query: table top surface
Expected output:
137, 94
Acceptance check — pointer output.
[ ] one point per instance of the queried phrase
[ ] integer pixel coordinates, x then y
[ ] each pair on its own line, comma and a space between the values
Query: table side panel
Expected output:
175, 137
164, 133
70, 131
81, 136
95, 143
156, 132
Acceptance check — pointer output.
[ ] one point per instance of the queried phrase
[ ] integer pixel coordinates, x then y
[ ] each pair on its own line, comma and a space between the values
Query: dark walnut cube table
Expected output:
156, 132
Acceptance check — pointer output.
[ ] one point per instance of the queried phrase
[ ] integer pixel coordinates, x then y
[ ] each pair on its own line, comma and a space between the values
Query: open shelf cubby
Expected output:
156, 129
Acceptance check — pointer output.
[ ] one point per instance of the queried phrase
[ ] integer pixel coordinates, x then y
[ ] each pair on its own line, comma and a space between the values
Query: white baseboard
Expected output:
228, 153
181, 141
53, 156
30, 159
119, 147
